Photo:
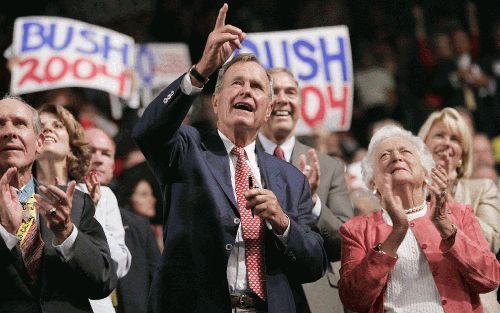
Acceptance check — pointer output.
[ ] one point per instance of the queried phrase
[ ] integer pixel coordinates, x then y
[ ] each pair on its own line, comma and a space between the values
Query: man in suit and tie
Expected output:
53, 253
133, 289
236, 220
332, 206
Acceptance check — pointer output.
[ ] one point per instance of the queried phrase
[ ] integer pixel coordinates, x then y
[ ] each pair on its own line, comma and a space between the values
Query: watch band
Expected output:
202, 79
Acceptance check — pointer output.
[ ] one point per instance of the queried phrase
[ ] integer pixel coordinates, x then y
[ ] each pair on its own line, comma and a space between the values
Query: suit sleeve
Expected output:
488, 214
364, 272
336, 210
304, 252
159, 124
471, 255
91, 264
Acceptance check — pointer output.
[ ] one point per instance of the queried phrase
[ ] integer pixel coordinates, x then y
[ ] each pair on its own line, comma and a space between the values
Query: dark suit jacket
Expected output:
62, 287
200, 213
133, 289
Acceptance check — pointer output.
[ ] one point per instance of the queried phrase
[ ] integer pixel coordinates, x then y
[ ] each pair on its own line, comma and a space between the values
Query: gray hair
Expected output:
35, 117
242, 57
391, 131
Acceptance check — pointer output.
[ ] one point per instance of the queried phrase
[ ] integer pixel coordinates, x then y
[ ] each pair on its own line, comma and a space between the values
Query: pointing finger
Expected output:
221, 18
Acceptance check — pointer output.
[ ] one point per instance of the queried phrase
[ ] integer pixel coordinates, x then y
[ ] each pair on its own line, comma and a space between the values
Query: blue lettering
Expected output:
270, 62
314, 66
284, 47
51, 38
248, 44
88, 36
108, 48
145, 64
31, 31
340, 57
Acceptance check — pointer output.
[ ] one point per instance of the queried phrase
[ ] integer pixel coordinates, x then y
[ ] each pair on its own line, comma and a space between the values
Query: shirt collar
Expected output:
25, 192
229, 145
269, 146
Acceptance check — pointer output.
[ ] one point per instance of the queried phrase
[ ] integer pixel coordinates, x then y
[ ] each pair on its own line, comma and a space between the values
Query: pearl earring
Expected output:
374, 191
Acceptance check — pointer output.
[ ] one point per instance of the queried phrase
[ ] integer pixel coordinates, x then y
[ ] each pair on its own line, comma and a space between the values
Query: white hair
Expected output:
391, 131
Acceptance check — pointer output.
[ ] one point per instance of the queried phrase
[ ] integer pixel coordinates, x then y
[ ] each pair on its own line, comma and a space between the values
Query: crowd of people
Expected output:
225, 208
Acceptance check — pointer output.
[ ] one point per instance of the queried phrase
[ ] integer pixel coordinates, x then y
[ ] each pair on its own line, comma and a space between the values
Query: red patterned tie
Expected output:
279, 153
253, 230
32, 249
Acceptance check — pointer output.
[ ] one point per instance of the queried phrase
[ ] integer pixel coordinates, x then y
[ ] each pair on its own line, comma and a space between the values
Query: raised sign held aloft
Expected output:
320, 59
55, 52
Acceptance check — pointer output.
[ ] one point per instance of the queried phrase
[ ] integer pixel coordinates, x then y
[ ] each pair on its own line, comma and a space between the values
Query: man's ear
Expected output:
215, 102
39, 143
269, 110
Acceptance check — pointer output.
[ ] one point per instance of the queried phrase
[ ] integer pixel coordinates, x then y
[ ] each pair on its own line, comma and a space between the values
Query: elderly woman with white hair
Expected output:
413, 255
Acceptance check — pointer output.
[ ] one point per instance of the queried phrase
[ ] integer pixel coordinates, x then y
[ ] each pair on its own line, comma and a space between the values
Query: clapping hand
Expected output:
93, 186
312, 172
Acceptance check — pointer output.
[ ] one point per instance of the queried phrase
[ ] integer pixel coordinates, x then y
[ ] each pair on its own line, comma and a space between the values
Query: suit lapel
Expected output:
272, 178
218, 163
298, 149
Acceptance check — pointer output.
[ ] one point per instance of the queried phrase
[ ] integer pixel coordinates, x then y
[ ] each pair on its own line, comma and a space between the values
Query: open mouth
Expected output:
49, 139
243, 106
281, 113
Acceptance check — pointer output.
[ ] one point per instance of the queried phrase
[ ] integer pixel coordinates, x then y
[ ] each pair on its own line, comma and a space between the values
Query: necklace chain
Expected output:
416, 209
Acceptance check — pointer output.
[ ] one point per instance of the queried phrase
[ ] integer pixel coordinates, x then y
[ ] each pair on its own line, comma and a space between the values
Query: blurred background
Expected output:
405, 54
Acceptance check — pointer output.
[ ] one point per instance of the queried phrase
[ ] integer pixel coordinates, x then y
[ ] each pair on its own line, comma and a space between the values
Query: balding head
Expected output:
103, 150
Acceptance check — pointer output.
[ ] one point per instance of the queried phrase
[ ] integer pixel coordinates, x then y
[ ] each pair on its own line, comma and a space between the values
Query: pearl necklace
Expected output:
416, 209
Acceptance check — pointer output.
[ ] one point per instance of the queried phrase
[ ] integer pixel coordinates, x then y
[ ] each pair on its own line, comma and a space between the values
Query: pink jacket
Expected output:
461, 271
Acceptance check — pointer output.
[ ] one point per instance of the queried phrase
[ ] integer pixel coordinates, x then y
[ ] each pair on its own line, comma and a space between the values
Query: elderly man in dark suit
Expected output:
236, 219
53, 253
328, 187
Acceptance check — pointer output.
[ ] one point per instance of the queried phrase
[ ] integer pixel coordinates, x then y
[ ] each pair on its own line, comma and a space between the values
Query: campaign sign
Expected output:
55, 52
320, 58
159, 64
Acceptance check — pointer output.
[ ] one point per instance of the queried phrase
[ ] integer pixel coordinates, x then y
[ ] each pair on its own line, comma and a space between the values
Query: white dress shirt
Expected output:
107, 213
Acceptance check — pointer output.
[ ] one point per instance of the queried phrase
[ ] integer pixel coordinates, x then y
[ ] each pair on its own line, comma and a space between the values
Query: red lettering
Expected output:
57, 68
64, 69
342, 103
30, 74
82, 63
320, 113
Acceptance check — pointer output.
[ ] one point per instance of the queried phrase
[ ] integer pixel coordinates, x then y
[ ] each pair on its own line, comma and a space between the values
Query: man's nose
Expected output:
246, 89
8, 131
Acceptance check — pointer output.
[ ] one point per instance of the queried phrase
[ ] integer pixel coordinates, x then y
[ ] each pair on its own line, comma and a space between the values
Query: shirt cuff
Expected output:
10, 240
284, 237
187, 87
66, 248
316, 211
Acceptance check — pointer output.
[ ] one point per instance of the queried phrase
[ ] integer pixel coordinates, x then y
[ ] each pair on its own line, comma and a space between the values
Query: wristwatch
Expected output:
194, 72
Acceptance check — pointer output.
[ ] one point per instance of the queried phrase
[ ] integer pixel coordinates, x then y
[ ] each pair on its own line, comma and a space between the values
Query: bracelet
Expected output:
202, 79
378, 248
453, 232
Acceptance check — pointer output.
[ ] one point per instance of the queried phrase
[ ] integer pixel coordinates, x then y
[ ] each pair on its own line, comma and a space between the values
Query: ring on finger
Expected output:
307, 168
52, 211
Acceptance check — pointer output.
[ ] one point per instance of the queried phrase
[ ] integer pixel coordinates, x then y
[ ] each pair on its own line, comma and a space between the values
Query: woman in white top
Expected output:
64, 157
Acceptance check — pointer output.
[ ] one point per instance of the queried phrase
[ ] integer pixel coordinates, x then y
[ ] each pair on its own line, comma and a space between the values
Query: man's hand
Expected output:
264, 204
312, 172
93, 186
50, 197
10, 207
221, 43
